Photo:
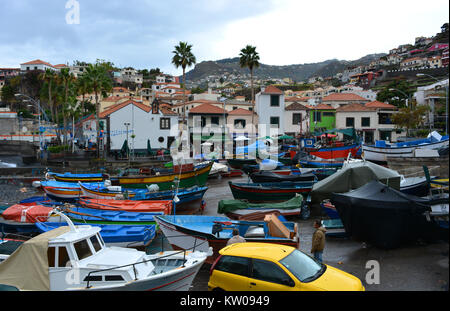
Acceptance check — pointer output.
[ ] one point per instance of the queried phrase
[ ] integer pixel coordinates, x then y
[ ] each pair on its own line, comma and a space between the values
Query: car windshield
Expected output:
302, 266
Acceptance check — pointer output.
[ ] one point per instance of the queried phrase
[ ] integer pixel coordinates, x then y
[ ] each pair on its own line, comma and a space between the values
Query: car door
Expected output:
268, 276
231, 273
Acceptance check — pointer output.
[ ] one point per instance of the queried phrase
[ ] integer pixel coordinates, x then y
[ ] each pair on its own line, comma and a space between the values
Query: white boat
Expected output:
381, 151
75, 258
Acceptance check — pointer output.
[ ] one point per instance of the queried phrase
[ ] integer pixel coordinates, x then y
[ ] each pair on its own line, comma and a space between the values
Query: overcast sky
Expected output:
142, 33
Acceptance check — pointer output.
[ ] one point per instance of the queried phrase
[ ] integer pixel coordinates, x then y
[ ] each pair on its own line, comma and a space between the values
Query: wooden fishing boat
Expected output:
272, 176
184, 195
187, 231
196, 177
58, 190
236, 209
269, 192
163, 206
321, 163
21, 218
239, 163
94, 265
75, 178
107, 217
114, 235
337, 152
232, 173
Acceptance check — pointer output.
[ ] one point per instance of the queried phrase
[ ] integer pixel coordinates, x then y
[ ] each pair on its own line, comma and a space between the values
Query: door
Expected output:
268, 276
231, 273
170, 140
368, 137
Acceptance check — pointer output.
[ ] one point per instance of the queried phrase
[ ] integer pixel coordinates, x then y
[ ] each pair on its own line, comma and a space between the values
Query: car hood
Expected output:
337, 280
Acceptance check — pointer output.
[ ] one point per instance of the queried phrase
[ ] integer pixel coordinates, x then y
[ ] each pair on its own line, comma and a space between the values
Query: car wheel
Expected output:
218, 289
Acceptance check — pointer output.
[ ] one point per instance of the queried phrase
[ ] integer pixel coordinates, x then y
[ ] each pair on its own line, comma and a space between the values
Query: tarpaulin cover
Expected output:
352, 176
27, 213
382, 216
227, 206
27, 267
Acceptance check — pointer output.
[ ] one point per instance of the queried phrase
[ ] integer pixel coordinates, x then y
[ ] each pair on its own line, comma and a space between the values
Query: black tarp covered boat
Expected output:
267, 176
385, 217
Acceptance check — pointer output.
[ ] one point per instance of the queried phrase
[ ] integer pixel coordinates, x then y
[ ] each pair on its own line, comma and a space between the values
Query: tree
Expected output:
249, 58
396, 93
411, 117
99, 82
183, 58
83, 88
49, 77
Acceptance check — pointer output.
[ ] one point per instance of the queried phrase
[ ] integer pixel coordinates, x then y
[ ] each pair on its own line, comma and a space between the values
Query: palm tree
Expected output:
67, 80
83, 88
249, 58
49, 76
183, 58
99, 82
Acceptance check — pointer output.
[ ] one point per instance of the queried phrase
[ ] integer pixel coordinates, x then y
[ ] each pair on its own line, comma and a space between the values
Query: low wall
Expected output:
414, 166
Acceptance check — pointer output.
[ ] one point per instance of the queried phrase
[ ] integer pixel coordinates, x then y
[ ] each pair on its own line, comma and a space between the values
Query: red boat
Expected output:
337, 151
232, 173
164, 206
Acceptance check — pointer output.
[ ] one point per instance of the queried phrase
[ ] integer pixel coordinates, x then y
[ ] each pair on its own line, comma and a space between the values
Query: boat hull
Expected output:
197, 177
269, 192
336, 152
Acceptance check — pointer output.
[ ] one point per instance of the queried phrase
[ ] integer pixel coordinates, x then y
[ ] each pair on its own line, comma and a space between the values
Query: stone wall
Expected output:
414, 166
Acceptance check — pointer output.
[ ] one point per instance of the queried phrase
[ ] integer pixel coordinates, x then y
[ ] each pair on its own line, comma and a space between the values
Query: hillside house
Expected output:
270, 106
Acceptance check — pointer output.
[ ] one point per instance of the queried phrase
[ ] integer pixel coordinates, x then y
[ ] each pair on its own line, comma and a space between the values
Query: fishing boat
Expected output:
187, 231
100, 191
106, 217
240, 163
21, 218
58, 190
236, 209
8, 245
272, 176
382, 151
321, 163
232, 173
385, 217
269, 192
417, 186
163, 206
132, 236
75, 178
338, 151
196, 177
95, 266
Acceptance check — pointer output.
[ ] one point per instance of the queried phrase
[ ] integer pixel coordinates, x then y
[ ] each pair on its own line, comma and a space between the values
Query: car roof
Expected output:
267, 251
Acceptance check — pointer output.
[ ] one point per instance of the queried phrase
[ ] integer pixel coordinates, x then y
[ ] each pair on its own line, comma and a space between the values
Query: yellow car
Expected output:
274, 267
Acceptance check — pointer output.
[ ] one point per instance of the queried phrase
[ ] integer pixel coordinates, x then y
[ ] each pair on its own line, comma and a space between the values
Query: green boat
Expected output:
197, 177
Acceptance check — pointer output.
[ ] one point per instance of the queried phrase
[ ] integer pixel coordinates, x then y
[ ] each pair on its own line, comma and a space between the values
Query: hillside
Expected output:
299, 72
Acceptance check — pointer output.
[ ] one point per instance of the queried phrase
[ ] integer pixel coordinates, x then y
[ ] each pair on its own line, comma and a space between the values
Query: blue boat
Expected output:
62, 191
113, 235
185, 231
99, 191
74, 178
109, 217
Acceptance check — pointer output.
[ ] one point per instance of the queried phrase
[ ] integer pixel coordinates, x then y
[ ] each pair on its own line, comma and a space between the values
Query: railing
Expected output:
88, 277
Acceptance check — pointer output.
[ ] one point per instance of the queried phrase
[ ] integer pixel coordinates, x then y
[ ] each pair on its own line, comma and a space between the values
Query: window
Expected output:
95, 243
365, 122
63, 257
350, 122
235, 265
328, 114
274, 100
275, 121
268, 271
203, 122
215, 120
240, 123
51, 256
82, 249
296, 118
164, 123
113, 278
317, 116
302, 266
93, 278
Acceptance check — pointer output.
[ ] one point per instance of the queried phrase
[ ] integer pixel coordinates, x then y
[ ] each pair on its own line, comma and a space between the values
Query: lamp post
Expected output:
408, 97
446, 98
38, 103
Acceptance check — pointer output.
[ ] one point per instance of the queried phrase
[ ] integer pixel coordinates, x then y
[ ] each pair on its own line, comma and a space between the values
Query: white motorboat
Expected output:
74, 258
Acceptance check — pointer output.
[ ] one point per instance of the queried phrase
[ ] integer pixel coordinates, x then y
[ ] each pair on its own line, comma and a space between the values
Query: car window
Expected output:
233, 264
302, 266
268, 271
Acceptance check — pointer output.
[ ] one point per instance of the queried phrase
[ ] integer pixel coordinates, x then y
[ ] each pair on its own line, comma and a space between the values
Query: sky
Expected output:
142, 33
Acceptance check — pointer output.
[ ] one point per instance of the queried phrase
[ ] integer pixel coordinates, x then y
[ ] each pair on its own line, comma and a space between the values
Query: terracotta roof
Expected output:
320, 107
38, 62
119, 106
240, 112
120, 89
167, 111
200, 101
272, 90
207, 109
112, 99
343, 97
354, 108
296, 106
60, 66
377, 104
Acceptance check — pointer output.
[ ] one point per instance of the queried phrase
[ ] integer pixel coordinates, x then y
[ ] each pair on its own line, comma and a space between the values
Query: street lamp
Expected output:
38, 103
408, 97
446, 98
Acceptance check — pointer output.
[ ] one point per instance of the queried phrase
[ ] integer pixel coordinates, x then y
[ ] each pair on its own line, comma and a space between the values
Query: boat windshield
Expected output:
302, 266
82, 249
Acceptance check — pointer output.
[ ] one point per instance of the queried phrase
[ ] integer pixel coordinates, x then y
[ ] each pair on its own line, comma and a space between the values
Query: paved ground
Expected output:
419, 267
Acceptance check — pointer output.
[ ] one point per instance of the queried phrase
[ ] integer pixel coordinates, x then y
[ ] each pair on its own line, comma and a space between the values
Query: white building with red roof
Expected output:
37, 65
270, 105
